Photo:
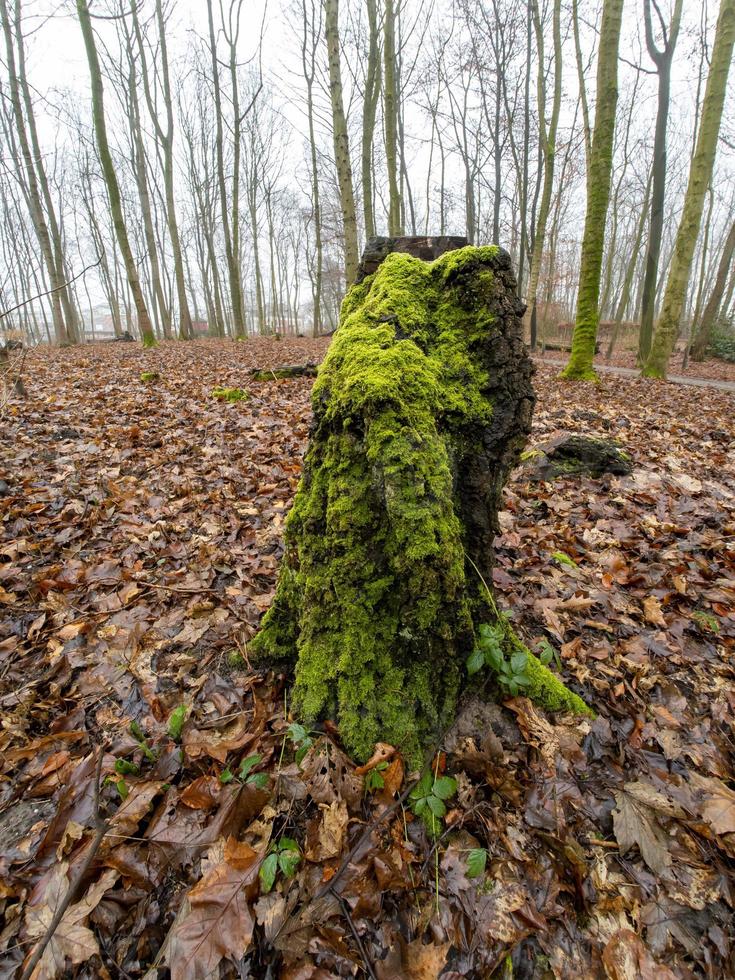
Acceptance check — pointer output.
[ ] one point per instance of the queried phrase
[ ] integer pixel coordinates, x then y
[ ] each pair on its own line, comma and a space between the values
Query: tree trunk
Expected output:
598, 195
108, 170
370, 106
308, 65
35, 205
420, 410
547, 135
390, 113
341, 140
712, 308
700, 175
662, 59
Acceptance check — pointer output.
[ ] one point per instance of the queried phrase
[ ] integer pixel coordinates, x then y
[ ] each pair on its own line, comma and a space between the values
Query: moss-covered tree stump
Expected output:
421, 408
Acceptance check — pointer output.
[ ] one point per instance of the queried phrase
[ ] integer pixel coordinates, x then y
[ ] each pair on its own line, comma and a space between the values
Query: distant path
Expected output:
678, 379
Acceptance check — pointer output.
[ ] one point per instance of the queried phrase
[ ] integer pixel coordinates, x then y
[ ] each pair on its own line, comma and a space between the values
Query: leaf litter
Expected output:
141, 537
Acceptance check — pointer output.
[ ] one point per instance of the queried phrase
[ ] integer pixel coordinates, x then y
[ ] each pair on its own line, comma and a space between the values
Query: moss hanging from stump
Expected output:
421, 408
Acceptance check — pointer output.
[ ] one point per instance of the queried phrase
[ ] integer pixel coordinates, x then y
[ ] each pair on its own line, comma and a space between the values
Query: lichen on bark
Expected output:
421, 407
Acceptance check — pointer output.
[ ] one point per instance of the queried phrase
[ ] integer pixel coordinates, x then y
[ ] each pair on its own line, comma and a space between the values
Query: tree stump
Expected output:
421, 408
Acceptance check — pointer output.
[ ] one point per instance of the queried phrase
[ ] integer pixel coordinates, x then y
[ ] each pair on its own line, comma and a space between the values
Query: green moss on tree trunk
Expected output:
580, 366
420, 409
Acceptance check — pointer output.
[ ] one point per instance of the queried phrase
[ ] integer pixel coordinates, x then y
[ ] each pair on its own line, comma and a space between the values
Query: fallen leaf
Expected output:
219, 922
635, 823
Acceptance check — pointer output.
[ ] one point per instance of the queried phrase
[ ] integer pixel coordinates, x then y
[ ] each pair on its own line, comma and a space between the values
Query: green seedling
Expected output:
137, 732
301, 739
176, 722
125, 768
427, 799
283, 856
374, 779
476, 862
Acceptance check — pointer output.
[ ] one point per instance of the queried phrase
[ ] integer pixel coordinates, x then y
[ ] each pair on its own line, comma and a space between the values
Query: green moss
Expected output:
372, 603
548, 690
229, 394
149, 376
563, 559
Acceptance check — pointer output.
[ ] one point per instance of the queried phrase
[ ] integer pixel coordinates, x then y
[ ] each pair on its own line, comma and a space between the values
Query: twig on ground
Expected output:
101, 829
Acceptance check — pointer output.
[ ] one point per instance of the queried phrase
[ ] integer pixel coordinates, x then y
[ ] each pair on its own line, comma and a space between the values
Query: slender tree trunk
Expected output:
108, 170
714, 303
341, 141
629, 272
700, 175
71, 314
370, 106
598, 195
231, 254
547, 135
662, 59
34, 195
309, 69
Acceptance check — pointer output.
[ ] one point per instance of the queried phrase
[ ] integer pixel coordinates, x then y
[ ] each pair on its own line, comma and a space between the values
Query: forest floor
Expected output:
711, 368
140, 537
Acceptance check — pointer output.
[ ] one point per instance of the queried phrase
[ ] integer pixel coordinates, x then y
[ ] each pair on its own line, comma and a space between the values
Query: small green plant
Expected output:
428, 796
511, 671
176, 722
283, 856
476, 862
547, 654
137, 732
706, 621
373, 779
120, 785
125, 768
564, 560
258, 779
229, 394
301, 739
149, 376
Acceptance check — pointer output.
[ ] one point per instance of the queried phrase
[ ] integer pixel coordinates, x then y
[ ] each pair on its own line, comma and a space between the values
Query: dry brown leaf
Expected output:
718, 803
652, 611
218, 923
635, 823
72, 941
626, 958
425, 962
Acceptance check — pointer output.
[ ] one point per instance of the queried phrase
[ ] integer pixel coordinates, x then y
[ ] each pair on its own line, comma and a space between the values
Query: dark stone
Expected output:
421, 247
65, 433
570, 455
